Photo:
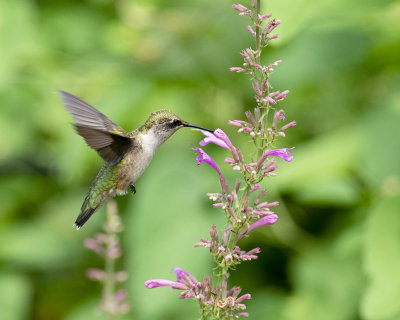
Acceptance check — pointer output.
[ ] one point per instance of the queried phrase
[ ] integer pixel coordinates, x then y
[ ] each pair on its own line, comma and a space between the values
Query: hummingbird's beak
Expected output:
197, 127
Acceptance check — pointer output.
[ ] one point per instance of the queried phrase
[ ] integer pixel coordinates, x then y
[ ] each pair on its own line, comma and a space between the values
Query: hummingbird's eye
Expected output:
176, 123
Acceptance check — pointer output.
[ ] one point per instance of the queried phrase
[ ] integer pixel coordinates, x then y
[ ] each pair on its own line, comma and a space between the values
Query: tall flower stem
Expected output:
244, 206
107, 245
109, 284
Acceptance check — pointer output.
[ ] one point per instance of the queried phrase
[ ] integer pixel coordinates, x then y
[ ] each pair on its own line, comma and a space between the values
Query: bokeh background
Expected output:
335, 251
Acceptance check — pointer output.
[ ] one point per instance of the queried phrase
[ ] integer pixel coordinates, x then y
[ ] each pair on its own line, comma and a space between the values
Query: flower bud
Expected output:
236, 69
288, 125
214, 234
250, 29
249, 115
278, 117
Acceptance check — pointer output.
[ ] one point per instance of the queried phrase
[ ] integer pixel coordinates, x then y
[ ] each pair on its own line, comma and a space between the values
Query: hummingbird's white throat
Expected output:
150, 141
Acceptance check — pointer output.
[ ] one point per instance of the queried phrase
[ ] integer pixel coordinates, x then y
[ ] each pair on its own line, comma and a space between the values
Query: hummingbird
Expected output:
126, 155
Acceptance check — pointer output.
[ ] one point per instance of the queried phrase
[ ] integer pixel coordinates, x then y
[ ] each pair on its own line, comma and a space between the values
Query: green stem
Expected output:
258, 28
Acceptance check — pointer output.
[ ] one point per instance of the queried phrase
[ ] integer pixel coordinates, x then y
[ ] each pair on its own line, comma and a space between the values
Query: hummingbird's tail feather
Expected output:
84, 216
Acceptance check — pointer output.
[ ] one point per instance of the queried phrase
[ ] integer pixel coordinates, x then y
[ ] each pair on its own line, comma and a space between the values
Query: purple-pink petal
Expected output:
179, 272
155, 283
213, 139
243, 297
222, 136
239, 7
288, 125
242, 314
204, 157
282, 153
264, 221
236, 69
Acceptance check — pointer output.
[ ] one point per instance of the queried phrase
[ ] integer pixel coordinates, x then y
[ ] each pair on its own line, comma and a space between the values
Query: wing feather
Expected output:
101, 133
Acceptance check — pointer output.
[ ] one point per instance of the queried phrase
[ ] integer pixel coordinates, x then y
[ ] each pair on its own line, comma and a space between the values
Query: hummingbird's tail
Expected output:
84, 216
100, 191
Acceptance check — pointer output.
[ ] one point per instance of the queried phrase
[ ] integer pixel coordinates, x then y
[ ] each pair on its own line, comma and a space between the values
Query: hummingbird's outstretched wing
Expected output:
100, 133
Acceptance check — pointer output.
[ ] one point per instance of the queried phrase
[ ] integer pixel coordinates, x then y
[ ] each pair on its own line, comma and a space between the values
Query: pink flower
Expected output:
288, 125
282, 153
239, 7
237, 123
222, 136
236, 69
250, 29
264, 221
242, 314
151, 284
184, 281
213, 139
204, 157
282, 95
266, 16
244, 297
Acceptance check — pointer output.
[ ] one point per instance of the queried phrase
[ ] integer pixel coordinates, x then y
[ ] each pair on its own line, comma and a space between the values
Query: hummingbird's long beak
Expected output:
197, 127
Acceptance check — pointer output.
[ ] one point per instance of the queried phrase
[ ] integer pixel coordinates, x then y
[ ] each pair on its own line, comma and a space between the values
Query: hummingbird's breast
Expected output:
136, 161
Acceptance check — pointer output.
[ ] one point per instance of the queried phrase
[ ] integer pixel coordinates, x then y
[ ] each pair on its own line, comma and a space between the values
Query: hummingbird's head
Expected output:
164, 123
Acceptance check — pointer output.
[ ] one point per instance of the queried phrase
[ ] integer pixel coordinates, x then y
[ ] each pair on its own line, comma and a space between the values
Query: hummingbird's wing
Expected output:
100, 133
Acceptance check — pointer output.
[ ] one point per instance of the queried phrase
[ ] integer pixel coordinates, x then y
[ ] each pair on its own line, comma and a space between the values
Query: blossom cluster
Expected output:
219, 248
242, 218
231, 305
264, 95
243, 202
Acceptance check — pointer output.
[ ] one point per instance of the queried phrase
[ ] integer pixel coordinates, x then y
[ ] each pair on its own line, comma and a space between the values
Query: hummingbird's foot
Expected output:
133, 189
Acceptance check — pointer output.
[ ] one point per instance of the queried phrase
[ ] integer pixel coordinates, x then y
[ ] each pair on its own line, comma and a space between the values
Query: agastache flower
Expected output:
264, 221
180, 284
236, 69
213, 139
223, 137
282, 153
204, 157
288, 125
240, 8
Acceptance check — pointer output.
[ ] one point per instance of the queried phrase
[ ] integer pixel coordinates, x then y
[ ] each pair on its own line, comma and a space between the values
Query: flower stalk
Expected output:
107, 245
244, 205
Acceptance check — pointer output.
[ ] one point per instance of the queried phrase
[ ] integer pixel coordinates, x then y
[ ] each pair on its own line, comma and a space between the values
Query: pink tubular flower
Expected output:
243, 297
239, 7
181, 283
264, 221
237, 123
223, 137
242, 314
282, 95
282, 153
213, 139
250, 29
204, 157
236, 69
266, 16
270, 100
151, 284
288, 125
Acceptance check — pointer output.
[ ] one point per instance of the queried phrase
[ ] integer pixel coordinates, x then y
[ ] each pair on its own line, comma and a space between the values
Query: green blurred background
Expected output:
335, 251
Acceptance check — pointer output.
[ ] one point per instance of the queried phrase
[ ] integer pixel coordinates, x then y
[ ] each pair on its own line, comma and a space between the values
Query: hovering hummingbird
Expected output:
126, 154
